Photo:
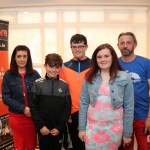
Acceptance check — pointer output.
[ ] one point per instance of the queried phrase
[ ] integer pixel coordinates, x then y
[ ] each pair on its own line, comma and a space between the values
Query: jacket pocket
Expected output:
119, 93
121, 83
14, 87
120, 87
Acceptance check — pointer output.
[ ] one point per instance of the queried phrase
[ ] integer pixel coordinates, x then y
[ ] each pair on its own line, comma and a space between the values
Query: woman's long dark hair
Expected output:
13, 64
115, 66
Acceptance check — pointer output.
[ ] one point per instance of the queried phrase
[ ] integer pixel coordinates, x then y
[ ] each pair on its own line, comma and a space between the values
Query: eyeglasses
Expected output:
78, 47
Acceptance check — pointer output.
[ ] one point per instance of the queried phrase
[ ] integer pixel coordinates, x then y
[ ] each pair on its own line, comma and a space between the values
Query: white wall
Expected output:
23, 3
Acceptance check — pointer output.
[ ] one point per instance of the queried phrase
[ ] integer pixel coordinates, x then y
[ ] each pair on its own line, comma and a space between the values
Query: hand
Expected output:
70, 120
27, 111
148, 138
147, 126
54, 132
45, 131
126, 141
82, 135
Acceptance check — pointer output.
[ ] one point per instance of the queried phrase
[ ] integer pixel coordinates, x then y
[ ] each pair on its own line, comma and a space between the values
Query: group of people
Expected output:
103, 102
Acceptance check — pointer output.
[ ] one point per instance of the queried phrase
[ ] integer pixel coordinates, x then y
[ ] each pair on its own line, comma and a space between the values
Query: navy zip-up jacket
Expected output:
12, 90
51, 103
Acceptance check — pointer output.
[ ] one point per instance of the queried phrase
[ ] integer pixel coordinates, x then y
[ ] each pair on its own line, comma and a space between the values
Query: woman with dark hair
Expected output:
16, 94
106, 102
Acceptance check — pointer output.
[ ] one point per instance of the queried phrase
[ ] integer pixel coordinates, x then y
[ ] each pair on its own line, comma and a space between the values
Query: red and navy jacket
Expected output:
73, 73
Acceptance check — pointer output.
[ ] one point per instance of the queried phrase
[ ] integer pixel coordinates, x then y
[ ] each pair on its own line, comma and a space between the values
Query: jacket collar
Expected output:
118, 74
51, 78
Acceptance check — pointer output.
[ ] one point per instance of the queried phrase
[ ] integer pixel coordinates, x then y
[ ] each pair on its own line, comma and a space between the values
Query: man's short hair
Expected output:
128, 33
78, 38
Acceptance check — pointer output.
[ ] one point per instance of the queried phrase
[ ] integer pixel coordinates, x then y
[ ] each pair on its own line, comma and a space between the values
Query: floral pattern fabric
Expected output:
104, 124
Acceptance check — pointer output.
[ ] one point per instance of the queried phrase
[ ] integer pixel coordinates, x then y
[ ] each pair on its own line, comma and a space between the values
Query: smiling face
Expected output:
21, 59
104, 59
52, 71
78, 50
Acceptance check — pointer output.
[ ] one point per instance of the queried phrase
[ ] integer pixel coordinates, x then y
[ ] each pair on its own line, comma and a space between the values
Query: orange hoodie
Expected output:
73, 73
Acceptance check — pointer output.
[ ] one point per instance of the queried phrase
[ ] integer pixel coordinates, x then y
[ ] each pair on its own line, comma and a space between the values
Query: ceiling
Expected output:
32, 3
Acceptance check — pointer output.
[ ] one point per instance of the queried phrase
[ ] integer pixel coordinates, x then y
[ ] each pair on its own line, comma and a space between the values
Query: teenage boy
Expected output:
51, 105
73, 72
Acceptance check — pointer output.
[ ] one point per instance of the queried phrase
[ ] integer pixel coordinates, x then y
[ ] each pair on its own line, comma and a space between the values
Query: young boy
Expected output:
51, 105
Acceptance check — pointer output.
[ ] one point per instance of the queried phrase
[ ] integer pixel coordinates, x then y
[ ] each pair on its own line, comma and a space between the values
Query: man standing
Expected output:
138, 68
73, 73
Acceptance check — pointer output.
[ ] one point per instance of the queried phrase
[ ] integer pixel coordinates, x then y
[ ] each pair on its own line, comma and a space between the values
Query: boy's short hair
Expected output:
78, 38
53, 60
